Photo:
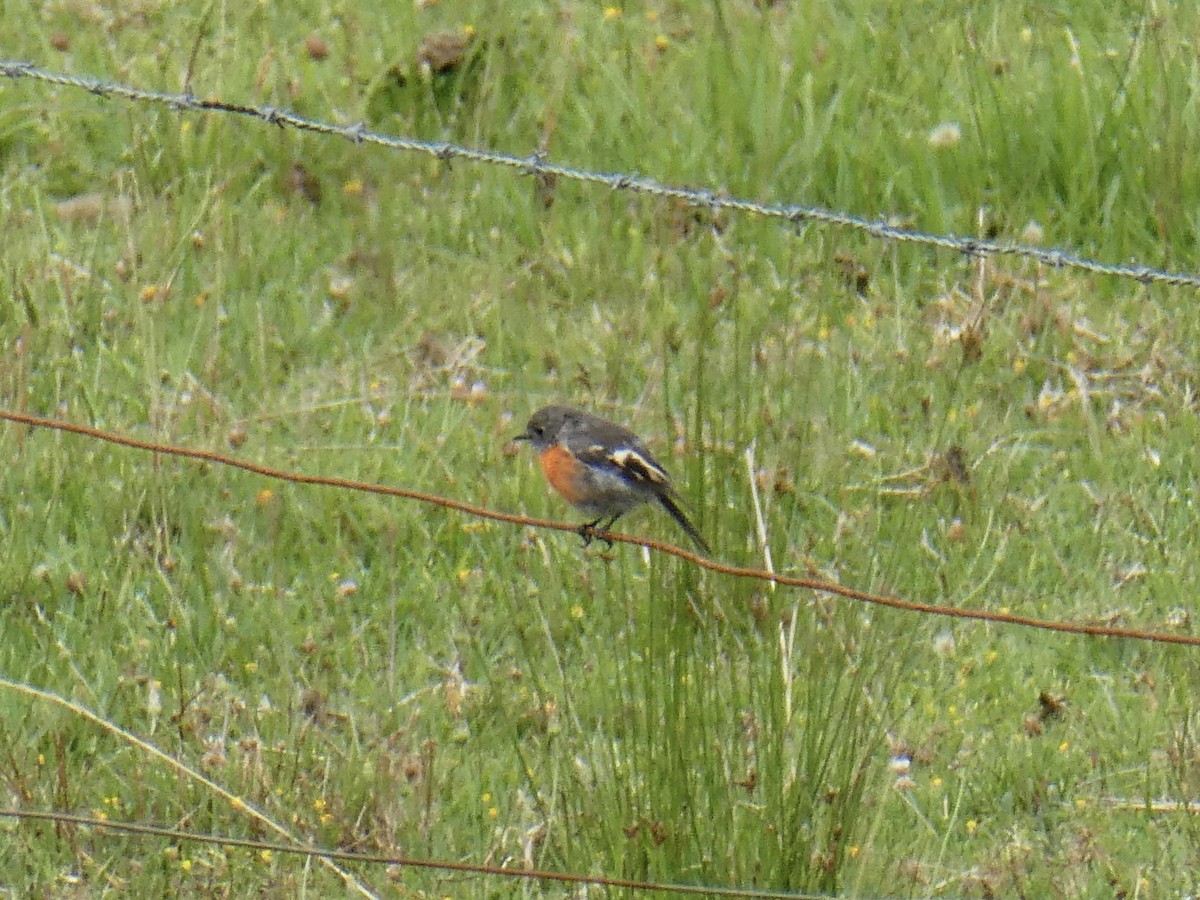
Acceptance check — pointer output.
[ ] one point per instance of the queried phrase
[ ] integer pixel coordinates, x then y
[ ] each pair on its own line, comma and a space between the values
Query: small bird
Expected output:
600, 468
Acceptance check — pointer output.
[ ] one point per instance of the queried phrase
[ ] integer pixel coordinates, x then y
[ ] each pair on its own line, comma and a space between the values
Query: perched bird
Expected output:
600, 468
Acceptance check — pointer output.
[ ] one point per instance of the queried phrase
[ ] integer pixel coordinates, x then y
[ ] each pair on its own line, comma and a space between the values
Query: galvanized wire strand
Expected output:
537, 165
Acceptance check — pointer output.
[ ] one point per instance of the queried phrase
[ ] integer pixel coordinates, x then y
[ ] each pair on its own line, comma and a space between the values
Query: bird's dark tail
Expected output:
677, 514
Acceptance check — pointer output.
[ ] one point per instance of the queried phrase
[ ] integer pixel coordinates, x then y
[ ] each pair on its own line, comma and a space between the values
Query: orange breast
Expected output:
561, 469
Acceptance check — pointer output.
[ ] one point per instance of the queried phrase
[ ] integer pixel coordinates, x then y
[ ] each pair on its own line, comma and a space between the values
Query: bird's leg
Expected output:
607, 526
587, 531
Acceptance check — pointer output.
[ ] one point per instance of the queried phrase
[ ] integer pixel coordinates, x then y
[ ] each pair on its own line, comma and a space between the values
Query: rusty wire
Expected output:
350, 856
814, 584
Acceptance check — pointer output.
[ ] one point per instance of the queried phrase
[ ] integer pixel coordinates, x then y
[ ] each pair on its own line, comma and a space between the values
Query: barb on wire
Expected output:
348, 856
720, 568
794, 213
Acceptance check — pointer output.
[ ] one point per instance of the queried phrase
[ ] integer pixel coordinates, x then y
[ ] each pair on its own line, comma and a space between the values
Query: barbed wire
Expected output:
537, 165
827, 587
352, 856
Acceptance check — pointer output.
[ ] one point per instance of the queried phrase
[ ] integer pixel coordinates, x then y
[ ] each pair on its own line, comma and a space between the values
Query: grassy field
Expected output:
390, 677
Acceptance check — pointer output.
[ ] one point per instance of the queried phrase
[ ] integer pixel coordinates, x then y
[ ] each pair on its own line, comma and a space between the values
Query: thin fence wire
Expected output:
537, 165
352, 856
185, 772
825, 587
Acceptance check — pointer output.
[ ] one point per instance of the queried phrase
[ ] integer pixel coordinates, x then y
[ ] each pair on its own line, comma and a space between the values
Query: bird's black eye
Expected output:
537, 429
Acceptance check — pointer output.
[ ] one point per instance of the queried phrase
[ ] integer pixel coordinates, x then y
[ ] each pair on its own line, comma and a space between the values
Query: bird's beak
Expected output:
524, 436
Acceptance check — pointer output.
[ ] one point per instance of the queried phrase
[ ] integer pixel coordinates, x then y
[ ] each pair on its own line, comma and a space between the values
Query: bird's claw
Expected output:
589, 533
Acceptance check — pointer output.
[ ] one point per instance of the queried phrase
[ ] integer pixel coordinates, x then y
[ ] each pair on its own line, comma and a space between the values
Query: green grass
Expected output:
385, 676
